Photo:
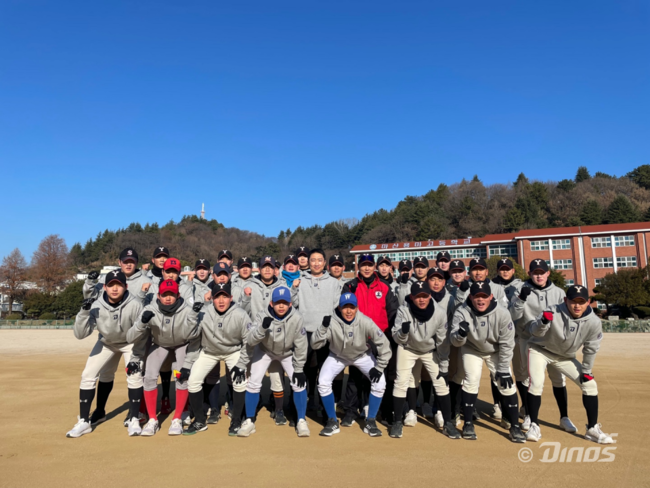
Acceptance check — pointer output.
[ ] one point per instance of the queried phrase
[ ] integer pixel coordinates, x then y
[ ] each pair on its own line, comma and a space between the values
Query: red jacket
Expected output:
376, 301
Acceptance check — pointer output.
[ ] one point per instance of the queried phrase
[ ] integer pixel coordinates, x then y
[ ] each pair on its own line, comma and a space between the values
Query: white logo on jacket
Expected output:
378, 294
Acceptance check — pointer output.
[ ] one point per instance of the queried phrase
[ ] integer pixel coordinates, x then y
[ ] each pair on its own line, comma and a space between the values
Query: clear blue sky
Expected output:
278, 114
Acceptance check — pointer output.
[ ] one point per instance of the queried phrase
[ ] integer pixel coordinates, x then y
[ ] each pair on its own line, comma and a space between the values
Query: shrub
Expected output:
14, 316
642, 312
47, 316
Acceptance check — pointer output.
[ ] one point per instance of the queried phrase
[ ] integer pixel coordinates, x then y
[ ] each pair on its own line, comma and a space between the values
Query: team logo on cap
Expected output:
480, 284
475, 260
114, 273
504, 260
129, 252
419, 284
281, 291
347, 296
336, 256
173, 262
578, 288
537, 261
456, 263
244, 258
302, 248
267, 258
161, 249
202, 261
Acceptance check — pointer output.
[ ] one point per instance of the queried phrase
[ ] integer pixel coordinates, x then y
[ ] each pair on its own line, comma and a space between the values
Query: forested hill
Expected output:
468, 208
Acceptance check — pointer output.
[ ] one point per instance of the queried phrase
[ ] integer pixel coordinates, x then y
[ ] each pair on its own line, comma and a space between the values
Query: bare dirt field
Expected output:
40, 371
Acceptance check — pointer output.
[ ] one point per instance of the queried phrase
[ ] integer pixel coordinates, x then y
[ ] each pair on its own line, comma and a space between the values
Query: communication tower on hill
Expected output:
203, 211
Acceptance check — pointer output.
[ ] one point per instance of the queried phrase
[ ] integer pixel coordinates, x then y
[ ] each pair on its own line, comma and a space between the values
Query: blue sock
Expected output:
330, 407
373, 406
252, 399
214, 397
300, 401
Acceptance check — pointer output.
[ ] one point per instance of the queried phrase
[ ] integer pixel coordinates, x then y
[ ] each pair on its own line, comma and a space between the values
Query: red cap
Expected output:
168, 285
172, 263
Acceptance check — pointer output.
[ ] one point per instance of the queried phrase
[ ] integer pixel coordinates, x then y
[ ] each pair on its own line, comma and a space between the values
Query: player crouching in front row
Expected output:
556, 335
348, 331
485, 333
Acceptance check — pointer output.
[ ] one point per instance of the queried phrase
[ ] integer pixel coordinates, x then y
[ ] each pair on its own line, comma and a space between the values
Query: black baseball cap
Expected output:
224, 253
267, 260
244, 261
456, 264
291, 258
336, 259
160, 250
278, 265
129, 253
435, 271
479, 287
536, 264
220, 268
477, 263
443, 256
421, 260
202, 263
405, 264
217, 288
577, 291
505, 263
302, 251
116, 275
384, 259
420, 287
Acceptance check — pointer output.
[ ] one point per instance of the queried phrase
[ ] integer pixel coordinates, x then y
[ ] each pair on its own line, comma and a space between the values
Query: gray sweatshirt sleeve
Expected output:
442, 346
403, 291
320, 336
383, 346
398, 336
506, 345
193, 351
454, 337
85, 322
257, 332
537, 328
91, 288
516, 308
139, 331
591, 347
192, 328
300, 347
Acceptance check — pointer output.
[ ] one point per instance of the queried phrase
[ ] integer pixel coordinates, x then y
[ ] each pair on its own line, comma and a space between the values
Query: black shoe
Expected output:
450, 430
280, 419
292, 423
475, 415
331, 428
272, 414
195, 427
516, 435
468, 431
215, 416
371, 428
234, 428
97, 417
396, 430
348, 419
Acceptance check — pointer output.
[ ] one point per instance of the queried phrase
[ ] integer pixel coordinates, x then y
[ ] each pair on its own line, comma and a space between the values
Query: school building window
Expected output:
563, 264
601, 242
539, 245
621, 241
504, 250
561, 244
626, 262
603, 263
598, 282
569, 282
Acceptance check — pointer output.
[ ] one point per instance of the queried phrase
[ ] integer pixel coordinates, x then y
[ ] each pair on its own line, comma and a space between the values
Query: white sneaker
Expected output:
247, 428
176, 428
496, 412
427, 411
302, 429
134, 427
567, 425
526, 425
438, 420
80, 428
142, 418
411, 419
457, 420
185, 418
534, 433
365, 412
150, 428
596, 434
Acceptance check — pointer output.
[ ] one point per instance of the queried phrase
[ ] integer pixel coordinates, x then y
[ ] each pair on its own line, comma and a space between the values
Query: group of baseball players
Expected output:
427, 328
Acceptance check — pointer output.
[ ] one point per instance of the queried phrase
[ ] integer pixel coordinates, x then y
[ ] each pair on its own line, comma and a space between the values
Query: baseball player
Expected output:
171, 271
336, 266
244, 272
171, 323
485, 333
507, 279
536, 295
420, 268
291, 272
277, 334
135, 278
160, 255
555, 337
224, 327
405, 270
443, 261
112, 313
302, 253
347, 331
385, 270
420, 331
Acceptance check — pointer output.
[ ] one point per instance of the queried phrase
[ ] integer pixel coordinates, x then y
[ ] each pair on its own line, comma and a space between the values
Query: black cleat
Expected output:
280, 419
234, 428
348, 419
396, 430
475, 415
215, 416
331, 428
468, 431
450, 430
371, 428
516, 435
195, 427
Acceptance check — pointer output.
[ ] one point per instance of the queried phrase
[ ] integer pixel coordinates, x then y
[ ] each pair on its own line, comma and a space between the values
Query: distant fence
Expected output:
626, 325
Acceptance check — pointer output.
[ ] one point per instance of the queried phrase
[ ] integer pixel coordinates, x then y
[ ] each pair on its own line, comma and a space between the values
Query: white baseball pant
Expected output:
206, 363
260, 364
539, 359
102, 364
473, 366
155, 359
333, 365
521, 348
406, 360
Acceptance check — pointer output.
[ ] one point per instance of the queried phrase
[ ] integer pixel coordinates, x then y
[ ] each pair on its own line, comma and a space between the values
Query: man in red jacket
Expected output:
377, 301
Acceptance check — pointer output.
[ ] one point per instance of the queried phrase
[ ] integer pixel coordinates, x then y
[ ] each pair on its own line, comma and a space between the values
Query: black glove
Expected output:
87, 303
464, 286
463, 329
266, 323
404, 278
505, 379
93, 275
197, 307
184, 376
375, 375
584, 377
547, 317
238, 375
444, 376
147, 315
300, 379
352, 286
132, 368
525, 291
326, 320
406, 326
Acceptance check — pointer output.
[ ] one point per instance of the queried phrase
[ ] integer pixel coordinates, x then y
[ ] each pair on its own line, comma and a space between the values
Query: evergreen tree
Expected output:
582, 174
591, 213
641, 176
621, 211
566, 185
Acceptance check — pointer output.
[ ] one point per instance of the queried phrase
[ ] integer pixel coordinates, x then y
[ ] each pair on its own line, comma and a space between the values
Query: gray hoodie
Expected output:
489, 333
565, 335
498, 292
95, 288
166, 330
220, 335
284, 337
350, 341
316, 298
199, 289
524, 312
511, 288
261, 295
424, 337
404, 289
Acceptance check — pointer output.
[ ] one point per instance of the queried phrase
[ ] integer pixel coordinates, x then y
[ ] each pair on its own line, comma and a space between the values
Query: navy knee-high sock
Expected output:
523, 392
591, 406
468, 403
562, 401
103, 391
533, 403
165, 382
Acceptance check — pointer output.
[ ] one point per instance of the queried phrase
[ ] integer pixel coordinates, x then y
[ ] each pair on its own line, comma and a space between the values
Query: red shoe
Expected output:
165, 406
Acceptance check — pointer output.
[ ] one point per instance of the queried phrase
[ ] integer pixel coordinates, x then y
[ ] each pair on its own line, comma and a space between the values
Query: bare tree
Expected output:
50, 263
13, 274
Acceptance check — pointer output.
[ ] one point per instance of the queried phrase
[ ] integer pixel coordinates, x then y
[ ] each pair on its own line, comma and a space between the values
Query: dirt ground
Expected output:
40, 371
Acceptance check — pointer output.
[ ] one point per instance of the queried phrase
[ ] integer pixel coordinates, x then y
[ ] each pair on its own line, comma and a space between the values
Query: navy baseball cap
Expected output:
116, 275
302, 251
435, 271
384, 259
202, 263
220, 288
480, 287
221, 268
291, 258
244, 261
348, 299
404, 264
267, 260
129, 254
160, 251
477, 263
577, 291
420, 287
536, 264
443, 256
421, 260
505, 263
224, 253
281, 294
366, 258
336, 259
